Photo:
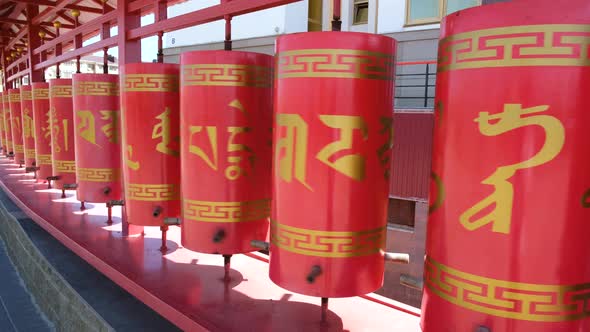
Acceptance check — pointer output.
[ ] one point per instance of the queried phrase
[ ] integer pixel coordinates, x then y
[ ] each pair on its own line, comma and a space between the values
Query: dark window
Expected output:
401, 212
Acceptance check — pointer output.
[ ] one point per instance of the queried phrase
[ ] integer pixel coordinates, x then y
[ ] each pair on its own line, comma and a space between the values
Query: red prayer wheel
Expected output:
225, 112
507, 244
16, 123
96, 139
28, 127
151, 140
332, 155
7, 123
62, 132
41, 119
2, 125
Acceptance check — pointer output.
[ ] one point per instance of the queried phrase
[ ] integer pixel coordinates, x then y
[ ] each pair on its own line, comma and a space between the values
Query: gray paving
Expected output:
18, 311
119, 308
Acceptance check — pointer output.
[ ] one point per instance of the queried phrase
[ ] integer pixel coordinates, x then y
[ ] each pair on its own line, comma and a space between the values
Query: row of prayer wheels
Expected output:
194, 144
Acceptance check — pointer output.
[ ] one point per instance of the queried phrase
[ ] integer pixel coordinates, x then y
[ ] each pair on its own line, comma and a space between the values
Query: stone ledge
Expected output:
66, 309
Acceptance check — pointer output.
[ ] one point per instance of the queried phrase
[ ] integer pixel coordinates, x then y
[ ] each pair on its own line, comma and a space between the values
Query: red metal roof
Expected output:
412, 154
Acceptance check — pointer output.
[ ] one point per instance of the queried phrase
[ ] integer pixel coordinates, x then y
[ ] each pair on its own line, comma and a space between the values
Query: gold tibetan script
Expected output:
295, 146
291, 149
513, 117
351, 165
162, 131
237, 152
111, 129
87, 128
47, 129
56, 128
28, 124
134, 165
384, 151
212, 136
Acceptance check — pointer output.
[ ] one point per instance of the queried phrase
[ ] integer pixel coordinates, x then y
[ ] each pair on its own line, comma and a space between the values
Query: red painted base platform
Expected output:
186, 287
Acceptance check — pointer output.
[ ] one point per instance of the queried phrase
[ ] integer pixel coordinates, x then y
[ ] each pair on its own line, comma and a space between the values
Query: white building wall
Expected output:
283, 19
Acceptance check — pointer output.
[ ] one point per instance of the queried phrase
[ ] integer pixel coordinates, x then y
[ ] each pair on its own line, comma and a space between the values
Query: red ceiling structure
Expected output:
36, 34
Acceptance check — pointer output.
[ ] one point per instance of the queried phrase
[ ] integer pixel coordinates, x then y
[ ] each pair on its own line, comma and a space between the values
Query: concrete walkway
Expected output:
18, 312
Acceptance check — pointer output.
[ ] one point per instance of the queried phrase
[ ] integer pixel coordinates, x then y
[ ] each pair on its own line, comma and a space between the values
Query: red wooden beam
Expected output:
106, 5
83, 29
34, 42
51, 11
20, 35
17, 62
54, 4
205, 15
139, 5
15, 12
72, 54
129, 50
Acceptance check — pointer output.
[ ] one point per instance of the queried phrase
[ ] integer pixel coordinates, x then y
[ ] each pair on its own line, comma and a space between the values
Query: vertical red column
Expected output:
41, 118
28, 127
16, 122
62, 132
509, 227
7, 123
333, 134
3, 125
151, 142
98, 152
226, 117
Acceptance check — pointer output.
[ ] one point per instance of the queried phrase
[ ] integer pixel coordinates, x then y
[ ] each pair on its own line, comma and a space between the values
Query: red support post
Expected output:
161, 13
57, 25
34, 41
129, 52
77, 37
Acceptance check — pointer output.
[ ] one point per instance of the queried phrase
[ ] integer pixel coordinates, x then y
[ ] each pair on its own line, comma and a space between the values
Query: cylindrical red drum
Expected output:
62, 131
16, 122
28, 127
507, 244
42, 121
225, 112
332, 155
2, 125
7, 123
151, 140
98, 152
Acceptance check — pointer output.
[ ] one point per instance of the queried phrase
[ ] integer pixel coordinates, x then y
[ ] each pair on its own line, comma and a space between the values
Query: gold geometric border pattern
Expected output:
87, 88
226, 75
26, 95
335, 63
508, 299
30, 153
14, 97
64, 166
98, 174
19, 148
60, 91
151, 83
525, 45
226, 211
43, 159
330, 244
153, 192
40, 93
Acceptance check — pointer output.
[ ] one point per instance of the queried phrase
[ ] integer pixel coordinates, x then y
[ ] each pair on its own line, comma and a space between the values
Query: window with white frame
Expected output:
360, 14
432, 11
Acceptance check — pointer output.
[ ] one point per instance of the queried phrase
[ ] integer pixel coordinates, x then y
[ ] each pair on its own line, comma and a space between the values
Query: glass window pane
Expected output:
361, 14
455, 5
423, 9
